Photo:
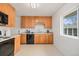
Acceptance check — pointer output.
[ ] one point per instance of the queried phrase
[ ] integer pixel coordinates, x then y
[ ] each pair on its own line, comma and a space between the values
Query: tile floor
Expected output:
39, 50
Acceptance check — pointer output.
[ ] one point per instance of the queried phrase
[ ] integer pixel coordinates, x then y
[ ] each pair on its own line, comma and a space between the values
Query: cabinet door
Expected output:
43, 38
50, 38
22, 22
36, 38
26, 22
17, 44
23, 38
11, 22
46, 38
48, 22
29, 22
33, 21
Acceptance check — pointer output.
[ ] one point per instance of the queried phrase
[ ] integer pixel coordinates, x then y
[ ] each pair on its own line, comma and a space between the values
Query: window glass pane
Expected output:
65, 31
70, 24
69, 31
75, 31
71, 20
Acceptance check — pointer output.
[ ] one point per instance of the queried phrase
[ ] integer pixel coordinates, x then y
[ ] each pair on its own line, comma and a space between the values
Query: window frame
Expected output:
62, 23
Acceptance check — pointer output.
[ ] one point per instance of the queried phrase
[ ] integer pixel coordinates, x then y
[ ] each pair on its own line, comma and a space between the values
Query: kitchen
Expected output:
32, 30
38, 29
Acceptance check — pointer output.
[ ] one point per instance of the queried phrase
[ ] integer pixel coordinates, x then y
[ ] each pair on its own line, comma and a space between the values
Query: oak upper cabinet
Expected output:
31, 21
10, 11
39, 19
17, 44
12, 17
22, 22
26, 22
47, 21
23, 38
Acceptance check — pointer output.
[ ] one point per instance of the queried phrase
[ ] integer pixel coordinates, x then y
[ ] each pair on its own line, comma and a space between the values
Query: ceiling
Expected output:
45, 9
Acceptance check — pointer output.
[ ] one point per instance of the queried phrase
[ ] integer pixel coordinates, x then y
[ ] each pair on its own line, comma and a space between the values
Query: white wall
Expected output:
67, 46
18, 21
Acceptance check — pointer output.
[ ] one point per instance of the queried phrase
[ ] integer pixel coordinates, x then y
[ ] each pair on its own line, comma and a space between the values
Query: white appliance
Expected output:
1, 33
8, 33
5, 33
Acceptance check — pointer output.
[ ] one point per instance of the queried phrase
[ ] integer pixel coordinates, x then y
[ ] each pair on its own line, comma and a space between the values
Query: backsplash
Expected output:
35, 30
13, 31
9, 31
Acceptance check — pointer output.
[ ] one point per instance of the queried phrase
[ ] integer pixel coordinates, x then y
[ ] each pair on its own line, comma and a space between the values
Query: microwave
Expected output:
3, 18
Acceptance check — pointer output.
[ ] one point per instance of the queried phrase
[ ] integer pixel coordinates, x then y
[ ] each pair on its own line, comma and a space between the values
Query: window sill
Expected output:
73, 37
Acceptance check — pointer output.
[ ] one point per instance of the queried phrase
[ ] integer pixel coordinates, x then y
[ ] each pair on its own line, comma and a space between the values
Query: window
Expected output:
70, 23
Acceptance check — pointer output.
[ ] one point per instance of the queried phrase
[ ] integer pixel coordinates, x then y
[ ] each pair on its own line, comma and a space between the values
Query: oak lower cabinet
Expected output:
37, 38
43, 39
23, 39
49, 38
17, 44
46, 38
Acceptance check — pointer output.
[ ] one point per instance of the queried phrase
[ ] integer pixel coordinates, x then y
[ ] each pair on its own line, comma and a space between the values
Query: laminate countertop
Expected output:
37, 33
7, 38
13, 36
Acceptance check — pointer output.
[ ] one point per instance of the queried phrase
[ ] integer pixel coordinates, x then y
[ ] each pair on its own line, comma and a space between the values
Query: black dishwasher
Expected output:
7, 47
30, 38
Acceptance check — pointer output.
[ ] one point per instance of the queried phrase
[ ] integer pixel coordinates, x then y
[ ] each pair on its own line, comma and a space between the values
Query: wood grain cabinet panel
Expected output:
31, 21
37, 39
22, 22
17, 44
10, 11
48, 22
43, 38
26, 22
50, 38
23, 38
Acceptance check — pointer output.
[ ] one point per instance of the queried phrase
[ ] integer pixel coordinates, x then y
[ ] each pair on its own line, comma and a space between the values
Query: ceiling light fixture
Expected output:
33, 5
